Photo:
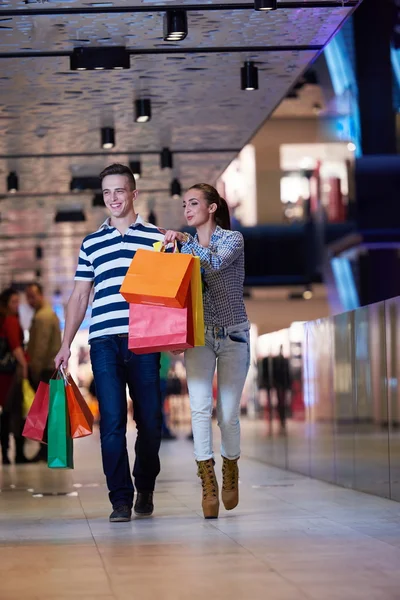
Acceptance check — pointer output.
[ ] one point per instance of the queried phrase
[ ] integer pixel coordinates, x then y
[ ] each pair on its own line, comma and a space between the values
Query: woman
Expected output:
13, 366
221, 253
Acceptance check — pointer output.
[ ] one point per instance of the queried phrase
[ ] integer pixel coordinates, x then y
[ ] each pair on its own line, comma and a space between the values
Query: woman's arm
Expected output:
12, 330
226, 253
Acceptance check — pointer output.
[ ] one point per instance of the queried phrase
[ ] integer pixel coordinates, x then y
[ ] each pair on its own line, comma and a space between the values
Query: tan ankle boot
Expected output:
230, 483
210, 502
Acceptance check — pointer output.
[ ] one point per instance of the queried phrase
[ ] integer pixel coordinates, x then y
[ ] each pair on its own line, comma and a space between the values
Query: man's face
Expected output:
33, 297
118, 195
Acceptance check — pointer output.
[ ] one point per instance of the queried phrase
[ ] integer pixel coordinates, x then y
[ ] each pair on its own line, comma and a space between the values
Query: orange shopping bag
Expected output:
80, 415
158, 278
160, 328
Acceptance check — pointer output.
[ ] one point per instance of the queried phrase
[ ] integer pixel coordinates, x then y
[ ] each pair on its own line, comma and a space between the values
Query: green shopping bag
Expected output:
60, 445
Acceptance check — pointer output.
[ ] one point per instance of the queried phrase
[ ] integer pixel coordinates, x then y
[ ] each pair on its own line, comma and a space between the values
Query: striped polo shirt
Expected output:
104, 258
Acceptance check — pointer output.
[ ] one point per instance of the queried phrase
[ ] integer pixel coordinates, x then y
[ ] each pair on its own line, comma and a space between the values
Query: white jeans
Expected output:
229, 349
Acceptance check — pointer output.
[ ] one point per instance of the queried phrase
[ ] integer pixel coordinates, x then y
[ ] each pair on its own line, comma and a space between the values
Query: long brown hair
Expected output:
5, 299
221, 215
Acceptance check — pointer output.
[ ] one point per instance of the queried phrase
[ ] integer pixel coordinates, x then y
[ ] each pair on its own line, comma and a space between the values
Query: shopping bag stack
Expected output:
58, 414
166, 303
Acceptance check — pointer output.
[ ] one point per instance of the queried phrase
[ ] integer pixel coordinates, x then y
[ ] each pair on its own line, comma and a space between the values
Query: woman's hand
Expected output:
172, 236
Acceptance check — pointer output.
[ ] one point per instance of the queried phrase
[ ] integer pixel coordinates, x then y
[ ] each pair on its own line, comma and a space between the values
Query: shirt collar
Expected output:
106, 224
216, 234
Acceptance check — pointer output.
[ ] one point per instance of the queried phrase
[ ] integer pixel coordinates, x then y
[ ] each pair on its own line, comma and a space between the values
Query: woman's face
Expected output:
196, 210
13, 304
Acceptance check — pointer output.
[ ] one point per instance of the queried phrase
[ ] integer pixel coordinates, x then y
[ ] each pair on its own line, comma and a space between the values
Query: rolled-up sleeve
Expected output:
222, 257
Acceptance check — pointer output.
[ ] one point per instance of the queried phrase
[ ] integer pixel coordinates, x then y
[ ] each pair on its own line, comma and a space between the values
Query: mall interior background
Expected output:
311, 185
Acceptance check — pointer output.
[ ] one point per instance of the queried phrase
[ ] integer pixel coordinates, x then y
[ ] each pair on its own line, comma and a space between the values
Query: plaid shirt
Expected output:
222, 265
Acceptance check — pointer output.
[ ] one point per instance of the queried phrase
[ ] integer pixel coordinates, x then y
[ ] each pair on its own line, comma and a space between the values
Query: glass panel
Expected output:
321, 400
371, 437
392, 312
298, 443
344, 398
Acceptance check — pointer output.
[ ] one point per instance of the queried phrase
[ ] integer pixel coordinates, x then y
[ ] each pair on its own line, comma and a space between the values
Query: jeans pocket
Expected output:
241, 337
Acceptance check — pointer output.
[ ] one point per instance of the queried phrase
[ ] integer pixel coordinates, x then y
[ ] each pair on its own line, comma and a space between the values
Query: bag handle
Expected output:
64, 374
164, 246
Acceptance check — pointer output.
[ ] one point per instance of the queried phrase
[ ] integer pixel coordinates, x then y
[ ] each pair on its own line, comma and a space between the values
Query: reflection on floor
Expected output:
290, 538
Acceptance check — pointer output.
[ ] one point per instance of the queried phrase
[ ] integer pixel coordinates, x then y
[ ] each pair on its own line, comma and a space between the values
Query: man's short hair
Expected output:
117, 169
37, 285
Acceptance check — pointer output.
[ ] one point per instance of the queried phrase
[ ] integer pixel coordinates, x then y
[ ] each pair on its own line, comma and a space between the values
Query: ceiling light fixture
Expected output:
99, 59
166, 161
69, 216
136, 168
249, 76
142, 110
176, 189
265, 5
175, 25
107, 138
12, 182
97, 200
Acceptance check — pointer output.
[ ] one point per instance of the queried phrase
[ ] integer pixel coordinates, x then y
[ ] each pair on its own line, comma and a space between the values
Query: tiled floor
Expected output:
290, 538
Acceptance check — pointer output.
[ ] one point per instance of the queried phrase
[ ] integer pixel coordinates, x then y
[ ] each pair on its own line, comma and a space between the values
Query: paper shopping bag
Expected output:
36, 419
60, 449
160, 328
28, 396
197, 303
80, 415
158, 278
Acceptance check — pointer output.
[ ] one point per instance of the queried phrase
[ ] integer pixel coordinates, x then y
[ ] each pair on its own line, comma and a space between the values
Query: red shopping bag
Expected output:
80, 415
160, 328
36, 419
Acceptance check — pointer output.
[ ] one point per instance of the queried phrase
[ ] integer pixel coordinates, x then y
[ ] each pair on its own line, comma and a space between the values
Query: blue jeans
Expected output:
228, 348
115, 367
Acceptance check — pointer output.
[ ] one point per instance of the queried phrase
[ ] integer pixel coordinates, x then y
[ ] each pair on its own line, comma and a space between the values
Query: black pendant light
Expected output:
249, 76
136, 168
176, 188
265, 5
175, 25
107, 138
12, 182
166, 161
142, 110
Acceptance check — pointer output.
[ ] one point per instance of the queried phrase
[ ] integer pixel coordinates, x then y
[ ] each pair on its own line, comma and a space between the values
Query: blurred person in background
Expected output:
281, 383
227, 341
13, 368
44, 343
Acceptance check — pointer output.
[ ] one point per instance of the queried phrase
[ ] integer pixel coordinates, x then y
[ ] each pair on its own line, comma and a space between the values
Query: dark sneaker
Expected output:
144, 504
121, 514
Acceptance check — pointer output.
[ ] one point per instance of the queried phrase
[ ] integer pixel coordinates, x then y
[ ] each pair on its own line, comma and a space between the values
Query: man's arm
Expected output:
75, 313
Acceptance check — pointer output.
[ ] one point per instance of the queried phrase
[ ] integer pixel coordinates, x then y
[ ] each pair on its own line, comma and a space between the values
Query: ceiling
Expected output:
198, 108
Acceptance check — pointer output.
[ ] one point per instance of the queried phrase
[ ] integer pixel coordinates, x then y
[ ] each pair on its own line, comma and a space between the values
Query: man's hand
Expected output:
172, 236
62, 357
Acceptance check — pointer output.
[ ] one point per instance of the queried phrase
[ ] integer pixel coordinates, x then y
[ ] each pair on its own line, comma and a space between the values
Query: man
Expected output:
44, 336
44, 343
281, 382
104, 259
